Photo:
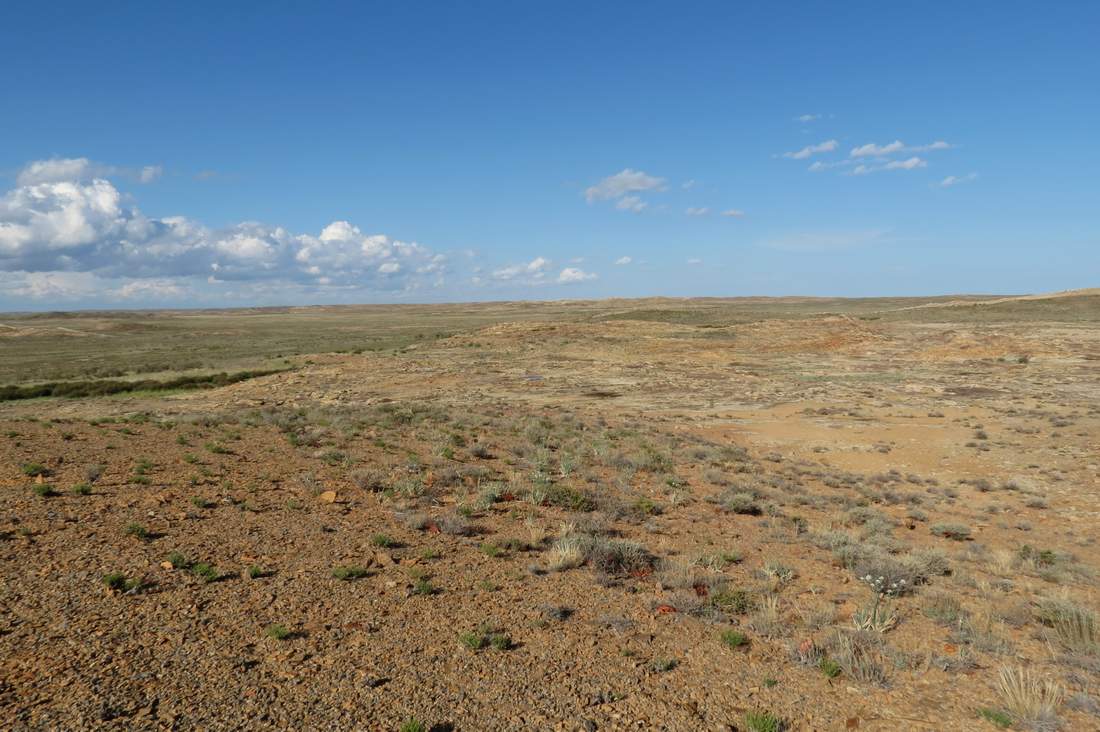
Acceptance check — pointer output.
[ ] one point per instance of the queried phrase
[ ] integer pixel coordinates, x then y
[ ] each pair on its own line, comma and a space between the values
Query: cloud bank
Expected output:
66, 230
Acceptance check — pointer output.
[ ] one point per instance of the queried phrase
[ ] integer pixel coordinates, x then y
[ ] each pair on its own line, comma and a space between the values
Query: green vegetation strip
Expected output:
105, 387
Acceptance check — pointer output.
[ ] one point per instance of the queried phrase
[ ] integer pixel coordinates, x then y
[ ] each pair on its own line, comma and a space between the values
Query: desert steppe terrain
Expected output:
705, 514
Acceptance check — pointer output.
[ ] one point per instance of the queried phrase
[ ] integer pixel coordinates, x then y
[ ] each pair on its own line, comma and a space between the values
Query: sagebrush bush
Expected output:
957, 532
742, 503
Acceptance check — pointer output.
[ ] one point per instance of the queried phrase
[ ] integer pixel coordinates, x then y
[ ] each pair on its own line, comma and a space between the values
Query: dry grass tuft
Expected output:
1074, 625
767, 620
860, 655
567, 553
1032, 701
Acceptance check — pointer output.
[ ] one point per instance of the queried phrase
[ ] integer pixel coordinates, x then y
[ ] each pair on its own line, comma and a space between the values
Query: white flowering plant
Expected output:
879, 617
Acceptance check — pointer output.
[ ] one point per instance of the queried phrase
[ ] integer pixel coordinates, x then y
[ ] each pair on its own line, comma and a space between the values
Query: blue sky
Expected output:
230, 154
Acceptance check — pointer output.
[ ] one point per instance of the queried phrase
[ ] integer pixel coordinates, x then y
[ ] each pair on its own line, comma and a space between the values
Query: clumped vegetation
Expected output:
958, 532
383, 541
107, 387
349, 572
119, 582
734, 639
179, 561
35, 470
763, 722
485, 636
138, 531
206, 572
278, 632
608, 556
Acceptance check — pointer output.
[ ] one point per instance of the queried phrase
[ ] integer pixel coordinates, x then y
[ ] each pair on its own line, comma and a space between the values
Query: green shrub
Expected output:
736, 601
829, 667
742, 503
119, 582
278, 632
996, 716
763, 722
33, 470
473, 640
138, 531
350, 572
568, 498
485, 636
178, 561
205, 571
423, 587
647, 507
734, 639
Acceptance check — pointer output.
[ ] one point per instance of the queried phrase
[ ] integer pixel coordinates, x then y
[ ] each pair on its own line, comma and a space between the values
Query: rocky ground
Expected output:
613, 524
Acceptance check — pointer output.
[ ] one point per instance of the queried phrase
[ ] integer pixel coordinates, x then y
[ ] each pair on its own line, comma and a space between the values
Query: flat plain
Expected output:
702, 514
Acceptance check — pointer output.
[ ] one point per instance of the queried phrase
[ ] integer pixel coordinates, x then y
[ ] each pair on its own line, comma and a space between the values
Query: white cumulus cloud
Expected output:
150, 173
57, 170
827, 146
897, 146
954, 180
572, 274
871, 149
623, 182
62, 219
54, 170
631, 203
534, 270
624, 260
908, 164
623, 187
937, 145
